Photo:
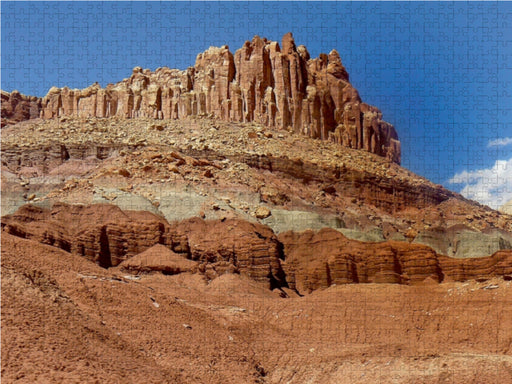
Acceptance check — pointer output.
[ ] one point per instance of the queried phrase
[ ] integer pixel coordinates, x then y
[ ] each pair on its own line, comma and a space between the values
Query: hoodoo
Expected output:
278, 86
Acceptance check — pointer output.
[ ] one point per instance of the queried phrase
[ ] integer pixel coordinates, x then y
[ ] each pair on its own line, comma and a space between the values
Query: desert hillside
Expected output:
246, 220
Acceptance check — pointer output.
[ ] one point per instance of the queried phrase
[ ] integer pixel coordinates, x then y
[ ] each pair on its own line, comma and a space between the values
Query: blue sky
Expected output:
440, 72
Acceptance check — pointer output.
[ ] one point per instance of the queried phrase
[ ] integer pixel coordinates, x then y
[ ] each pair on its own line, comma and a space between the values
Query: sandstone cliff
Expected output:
320, 259
17, 107
306, 261
278, 86
109, 236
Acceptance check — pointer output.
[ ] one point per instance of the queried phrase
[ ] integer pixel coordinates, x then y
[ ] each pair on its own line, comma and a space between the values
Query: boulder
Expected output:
262, 213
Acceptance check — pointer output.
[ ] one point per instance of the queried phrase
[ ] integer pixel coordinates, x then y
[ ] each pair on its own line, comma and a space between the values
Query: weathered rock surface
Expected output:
461, 241
473, 244
218, 328
158, 258
17, 107
306, 261
232, 246
499, 264
278, 86
320, 259
66, 320
108, 236
289, 220
102, 233
376, 189
203, 167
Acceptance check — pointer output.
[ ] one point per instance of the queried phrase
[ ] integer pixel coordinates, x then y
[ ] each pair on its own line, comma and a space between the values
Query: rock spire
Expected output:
278, 86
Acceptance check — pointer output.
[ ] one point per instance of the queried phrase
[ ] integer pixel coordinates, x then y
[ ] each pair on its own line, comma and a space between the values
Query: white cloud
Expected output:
491, 186
500, 142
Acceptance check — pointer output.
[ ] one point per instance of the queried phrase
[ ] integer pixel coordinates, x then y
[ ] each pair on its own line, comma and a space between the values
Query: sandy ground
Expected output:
64, 319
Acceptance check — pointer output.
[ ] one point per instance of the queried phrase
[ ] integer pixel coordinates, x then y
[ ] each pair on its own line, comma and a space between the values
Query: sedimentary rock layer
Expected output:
388, 194
17, 107
304, 261
108, 236
320, 259
278, 86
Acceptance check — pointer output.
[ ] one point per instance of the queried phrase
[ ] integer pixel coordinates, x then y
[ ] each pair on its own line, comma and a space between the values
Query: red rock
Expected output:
316, 260
498, 264
108, 236
251, 248
279, 88
304, 261
158, 258
17, 107
319, 259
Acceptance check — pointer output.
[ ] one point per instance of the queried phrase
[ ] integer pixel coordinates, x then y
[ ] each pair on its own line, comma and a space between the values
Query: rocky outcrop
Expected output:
17, 107
108, 236
498, 264
142, 242
110, 244
320, 259
158, 258
474, 244
384, 192
232, 245
102, 233
278, 86
460, 241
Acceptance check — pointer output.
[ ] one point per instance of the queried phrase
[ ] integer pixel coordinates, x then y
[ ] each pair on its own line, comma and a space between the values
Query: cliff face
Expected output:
17, 107
278, 86
304, 261
108, 236
320, 259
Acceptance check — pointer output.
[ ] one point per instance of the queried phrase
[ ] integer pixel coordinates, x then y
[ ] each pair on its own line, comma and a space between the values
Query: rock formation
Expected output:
141, 242
278, 86
108, 236
17, 107
320, 259
498, 264
158, 258
232, 245
345, 261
